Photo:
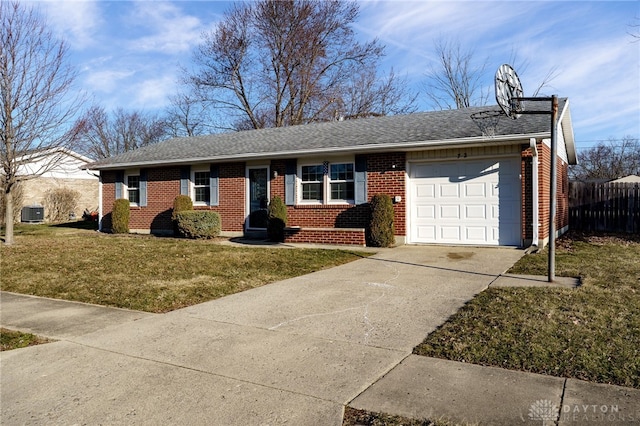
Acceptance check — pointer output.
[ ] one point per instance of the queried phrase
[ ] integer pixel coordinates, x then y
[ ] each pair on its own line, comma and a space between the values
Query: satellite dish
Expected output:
509, 91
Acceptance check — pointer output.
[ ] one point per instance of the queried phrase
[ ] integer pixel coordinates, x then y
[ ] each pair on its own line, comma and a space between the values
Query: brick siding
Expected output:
325, 236
544, 188
386, 173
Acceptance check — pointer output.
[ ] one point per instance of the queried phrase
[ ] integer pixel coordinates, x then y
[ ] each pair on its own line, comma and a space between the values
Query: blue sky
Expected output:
128, 52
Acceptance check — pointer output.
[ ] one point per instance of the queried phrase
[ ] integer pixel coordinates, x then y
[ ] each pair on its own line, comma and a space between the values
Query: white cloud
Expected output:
153, 92
107, 81
76, 21
171, 30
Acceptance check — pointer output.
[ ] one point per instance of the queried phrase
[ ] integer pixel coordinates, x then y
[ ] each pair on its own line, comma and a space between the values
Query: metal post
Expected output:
553, 200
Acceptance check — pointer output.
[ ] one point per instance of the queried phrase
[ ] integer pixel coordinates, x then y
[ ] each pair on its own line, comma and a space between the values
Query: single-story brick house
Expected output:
450, 183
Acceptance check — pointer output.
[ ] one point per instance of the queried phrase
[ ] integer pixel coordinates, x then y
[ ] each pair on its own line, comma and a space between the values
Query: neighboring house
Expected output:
450, 184
68, 172
627, 179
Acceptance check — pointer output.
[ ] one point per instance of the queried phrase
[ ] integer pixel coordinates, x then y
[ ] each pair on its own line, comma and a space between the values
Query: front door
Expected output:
258, 192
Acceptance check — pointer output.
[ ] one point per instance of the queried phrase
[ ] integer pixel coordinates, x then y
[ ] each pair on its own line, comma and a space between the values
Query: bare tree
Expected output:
635, 31
455, 80
276, 63
608, 160
102, 136
367, 95
37, 103
189, 115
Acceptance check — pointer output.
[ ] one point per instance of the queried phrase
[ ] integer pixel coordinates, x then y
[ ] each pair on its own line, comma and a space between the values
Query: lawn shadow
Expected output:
438, 268
80, 224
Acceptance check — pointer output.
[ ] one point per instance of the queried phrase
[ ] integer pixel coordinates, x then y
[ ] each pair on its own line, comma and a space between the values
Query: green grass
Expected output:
590, 333
353, 417
10, 339
143, 272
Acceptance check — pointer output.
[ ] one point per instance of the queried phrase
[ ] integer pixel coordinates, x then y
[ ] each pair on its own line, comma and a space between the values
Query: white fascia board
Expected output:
567, 132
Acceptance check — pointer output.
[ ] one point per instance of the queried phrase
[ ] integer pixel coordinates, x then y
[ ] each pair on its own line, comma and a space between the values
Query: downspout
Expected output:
535, 242
100, 203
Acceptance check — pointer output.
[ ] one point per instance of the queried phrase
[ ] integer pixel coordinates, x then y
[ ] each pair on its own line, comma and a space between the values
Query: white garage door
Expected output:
465, 202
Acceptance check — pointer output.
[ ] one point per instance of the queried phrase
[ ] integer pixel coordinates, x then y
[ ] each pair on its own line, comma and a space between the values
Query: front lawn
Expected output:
10, 339
144, 272
353, 417
589, 333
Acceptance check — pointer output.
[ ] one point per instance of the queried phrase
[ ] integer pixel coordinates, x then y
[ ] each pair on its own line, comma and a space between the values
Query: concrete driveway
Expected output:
293, 352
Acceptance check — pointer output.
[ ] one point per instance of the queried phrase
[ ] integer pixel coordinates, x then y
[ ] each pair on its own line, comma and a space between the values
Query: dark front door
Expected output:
258, 197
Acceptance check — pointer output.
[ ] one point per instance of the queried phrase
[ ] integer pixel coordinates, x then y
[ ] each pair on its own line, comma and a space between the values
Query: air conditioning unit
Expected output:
32, 214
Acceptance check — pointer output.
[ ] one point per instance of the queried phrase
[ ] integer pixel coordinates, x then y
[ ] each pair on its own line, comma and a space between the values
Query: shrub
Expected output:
59, 203
182, 203
277, 219
120, 217
381, 229
198, 224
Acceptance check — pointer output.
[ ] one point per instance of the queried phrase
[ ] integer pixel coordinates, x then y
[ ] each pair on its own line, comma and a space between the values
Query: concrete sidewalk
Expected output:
295, 352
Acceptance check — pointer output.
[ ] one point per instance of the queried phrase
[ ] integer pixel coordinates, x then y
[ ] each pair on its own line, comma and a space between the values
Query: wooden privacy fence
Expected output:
604, 207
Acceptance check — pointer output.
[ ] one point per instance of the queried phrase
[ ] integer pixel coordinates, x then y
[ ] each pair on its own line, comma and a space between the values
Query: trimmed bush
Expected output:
120, 216
198, 224
182, 203
60, 203
277, 219
381, 229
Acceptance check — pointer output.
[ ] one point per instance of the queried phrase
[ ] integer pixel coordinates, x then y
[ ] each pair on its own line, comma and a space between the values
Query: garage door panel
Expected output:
422, 171
426, 190
449, 190
466, 202
475, 190
508, 190
426, 212
426, 232
478, 211
495, 233
476, 234
450, 233
449, 212
495, 211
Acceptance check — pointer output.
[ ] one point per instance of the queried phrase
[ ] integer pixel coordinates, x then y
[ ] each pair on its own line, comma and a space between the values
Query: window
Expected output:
133, 189
312, 183
341, 182
333, 182
201, 187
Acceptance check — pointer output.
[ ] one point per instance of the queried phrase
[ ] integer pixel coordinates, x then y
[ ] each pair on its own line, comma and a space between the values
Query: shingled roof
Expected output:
389, 133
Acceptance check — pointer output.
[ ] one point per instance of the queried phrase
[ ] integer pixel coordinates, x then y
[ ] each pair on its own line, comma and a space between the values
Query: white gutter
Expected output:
535, 197
100, 203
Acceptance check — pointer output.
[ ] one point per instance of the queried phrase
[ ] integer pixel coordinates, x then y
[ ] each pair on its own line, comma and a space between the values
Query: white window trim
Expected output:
326, 182
192, 186
299, 182
329, 182
125, 186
